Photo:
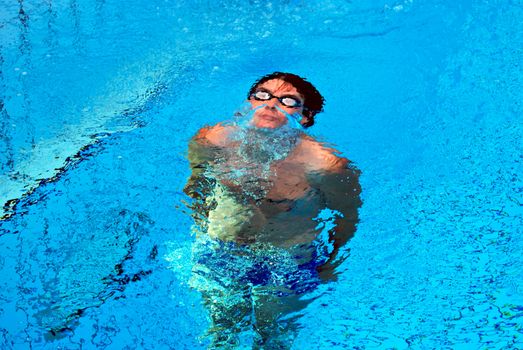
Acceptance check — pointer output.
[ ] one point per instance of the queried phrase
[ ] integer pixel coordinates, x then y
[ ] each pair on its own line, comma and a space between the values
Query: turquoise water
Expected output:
99, 101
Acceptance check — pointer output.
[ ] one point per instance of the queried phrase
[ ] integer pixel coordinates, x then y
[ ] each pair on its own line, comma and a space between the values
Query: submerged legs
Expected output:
276, 314
231, 314
269, 317
252, 301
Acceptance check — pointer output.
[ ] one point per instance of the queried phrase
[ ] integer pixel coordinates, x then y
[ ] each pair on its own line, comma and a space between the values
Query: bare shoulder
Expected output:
216, 135
319, 157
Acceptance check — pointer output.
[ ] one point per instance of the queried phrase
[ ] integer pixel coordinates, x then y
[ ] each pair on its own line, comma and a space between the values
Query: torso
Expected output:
281, 212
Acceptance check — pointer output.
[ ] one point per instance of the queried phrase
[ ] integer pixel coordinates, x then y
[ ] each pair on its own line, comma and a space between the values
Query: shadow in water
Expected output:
95, 265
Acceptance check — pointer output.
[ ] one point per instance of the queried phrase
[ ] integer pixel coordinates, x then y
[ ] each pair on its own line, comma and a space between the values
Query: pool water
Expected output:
99, 101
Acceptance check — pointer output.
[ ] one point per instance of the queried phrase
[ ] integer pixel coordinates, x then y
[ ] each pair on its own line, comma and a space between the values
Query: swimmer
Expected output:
260, 185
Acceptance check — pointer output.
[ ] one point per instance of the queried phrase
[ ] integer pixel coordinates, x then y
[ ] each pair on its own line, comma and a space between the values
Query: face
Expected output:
268, 115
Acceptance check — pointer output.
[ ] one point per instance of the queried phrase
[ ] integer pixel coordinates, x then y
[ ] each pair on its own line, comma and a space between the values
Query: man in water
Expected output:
273, 206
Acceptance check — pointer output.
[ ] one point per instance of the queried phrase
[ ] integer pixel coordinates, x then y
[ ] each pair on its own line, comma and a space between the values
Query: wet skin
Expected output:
308, 179
311, 169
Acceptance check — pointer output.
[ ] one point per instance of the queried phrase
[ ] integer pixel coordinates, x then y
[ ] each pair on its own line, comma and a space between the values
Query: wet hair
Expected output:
314, 101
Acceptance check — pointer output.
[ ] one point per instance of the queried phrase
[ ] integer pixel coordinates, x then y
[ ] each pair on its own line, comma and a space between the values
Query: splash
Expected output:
248, 162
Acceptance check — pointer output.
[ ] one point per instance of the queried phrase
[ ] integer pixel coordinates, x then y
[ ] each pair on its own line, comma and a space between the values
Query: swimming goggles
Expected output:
287, 101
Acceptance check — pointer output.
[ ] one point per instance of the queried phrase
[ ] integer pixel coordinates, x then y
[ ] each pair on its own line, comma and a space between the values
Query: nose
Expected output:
272, 103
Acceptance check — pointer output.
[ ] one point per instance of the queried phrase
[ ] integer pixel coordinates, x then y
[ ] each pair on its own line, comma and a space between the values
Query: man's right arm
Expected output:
203, 150
217, 135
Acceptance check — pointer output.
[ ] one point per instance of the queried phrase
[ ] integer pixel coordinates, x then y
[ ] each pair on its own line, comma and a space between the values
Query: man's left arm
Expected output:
340, 190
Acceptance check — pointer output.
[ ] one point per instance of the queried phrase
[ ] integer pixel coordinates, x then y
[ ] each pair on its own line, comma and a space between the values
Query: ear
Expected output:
308, 118
307, 113
304, 119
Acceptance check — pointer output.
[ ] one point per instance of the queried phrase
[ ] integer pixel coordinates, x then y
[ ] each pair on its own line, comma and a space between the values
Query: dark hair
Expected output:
314, 101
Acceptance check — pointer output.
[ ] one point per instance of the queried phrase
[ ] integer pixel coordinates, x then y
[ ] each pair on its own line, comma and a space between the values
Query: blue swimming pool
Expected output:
98, 101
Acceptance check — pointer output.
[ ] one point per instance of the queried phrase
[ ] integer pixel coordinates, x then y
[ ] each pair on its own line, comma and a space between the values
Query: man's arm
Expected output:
337, 181
203, 150
199, 155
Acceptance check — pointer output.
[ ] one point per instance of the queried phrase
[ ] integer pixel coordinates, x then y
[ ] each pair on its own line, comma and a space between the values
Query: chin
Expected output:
267, 126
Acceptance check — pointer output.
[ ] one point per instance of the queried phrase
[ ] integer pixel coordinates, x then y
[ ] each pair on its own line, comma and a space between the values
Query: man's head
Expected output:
281, 92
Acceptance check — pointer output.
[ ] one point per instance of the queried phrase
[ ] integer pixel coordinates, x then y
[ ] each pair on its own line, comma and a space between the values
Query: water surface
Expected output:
99, 102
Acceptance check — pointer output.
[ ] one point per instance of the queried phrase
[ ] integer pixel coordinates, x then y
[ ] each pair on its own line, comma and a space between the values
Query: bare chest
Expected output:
287, 182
